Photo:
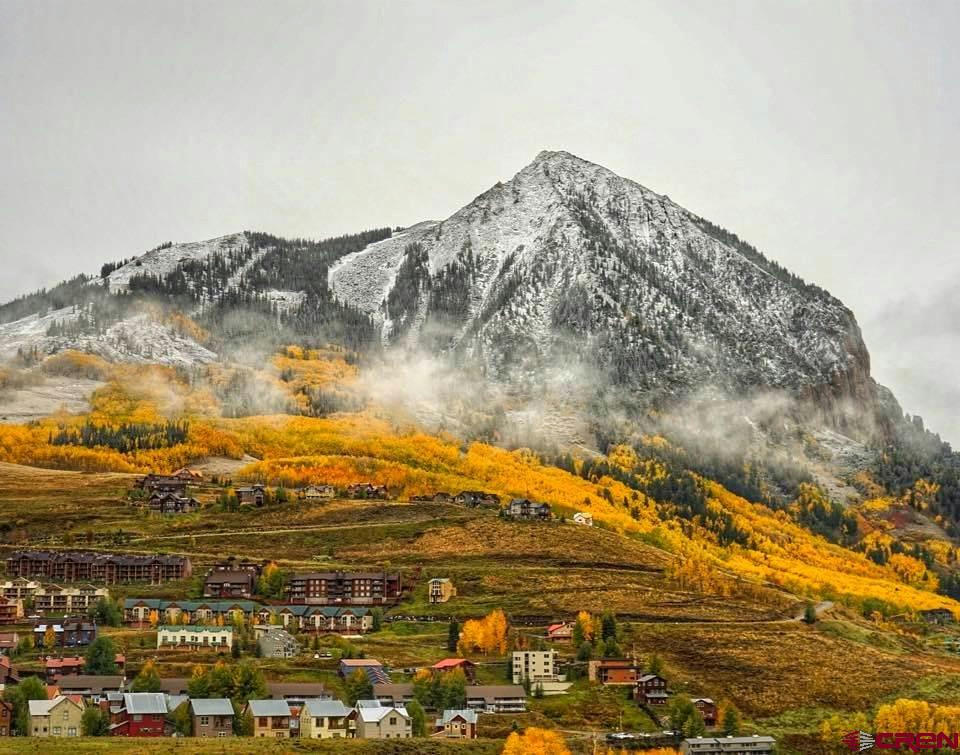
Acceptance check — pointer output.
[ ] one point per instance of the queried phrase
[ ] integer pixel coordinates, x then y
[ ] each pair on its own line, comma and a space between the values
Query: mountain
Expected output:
570, 264
565, 308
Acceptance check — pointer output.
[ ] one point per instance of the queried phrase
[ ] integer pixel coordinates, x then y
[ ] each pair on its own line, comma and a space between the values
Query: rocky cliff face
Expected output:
569, 266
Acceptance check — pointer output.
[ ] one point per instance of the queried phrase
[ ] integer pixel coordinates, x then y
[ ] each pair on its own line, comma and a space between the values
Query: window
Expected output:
222, 734
66, 715
137, 717
56, 731
204, 720
72, 731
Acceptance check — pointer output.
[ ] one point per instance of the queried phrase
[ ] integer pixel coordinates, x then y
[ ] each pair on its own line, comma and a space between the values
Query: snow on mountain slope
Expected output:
165, 259
569, 263
138, 339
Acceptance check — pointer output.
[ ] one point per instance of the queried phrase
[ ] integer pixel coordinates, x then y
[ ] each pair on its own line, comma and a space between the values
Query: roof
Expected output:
322, 708
174, 685
756, 738
359, 662
269, 708
42, 707
137, 703
495, 690
194, 628
91, 682
216, 706
707, 700
301, 690
451, 663
219, 606
373, 711
470, 716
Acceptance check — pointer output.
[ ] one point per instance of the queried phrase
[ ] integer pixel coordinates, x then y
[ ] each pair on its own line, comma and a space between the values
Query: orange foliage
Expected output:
486, 635
535, 741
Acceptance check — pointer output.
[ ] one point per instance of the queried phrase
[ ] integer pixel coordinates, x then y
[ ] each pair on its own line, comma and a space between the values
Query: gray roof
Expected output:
755, 739
373, 711
77, 682
145, 702
42, 707
269, 708
217, 706
470, 716
324, 708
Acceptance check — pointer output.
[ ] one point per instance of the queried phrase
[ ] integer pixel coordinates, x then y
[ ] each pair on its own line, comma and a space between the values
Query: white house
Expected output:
582, 517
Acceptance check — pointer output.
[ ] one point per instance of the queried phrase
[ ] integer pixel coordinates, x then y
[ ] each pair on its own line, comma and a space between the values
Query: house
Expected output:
11, 610
374, 670
224, 583
318, 492
195, 637
275, 642
582, 517
476, 498
212, 717
614, 671
755, 745
154, 483
138, 610
59, 717
297, 693
142, 714
937, 616
440, 497
188, 475
344, 588
56, 668
535, 666
6, 719
68, 633
327, 719
503, 698
367, 490
19, 588
523, 508
171, 503
90, 687
8, 642
8, 674
561, 632
353, 620
378, 721
441, 590
651, 690
394, 694
457, 724
174, 686
255, 495
468, 668
97, 567
497, 698
707, 708
65, 600
271, 718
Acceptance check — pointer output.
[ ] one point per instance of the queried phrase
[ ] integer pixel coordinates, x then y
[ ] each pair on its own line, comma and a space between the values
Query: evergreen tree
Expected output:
94, 722
101, 657
418, 718
453, 635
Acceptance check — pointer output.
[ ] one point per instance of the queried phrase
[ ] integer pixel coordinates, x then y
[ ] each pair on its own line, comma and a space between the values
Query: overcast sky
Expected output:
823, 132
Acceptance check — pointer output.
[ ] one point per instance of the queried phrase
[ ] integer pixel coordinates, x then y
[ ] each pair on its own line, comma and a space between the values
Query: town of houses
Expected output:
51, 600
